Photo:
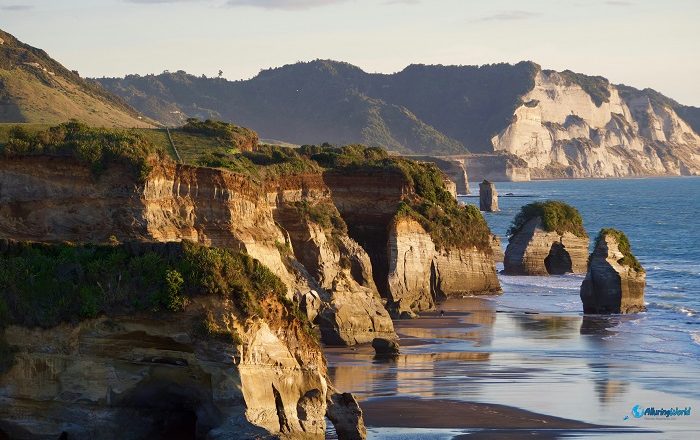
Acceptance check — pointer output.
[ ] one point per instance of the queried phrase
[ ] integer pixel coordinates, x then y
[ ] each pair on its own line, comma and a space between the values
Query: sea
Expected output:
533, 349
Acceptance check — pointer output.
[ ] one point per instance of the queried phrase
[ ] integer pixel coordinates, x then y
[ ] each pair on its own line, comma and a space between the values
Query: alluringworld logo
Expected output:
638, 412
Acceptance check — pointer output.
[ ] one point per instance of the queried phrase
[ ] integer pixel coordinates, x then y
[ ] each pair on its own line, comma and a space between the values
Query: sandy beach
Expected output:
485, 370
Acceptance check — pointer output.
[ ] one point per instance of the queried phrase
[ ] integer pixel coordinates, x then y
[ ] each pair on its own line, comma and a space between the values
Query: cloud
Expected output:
509, 16
284, 4
16, 7
148, 2
402, 2
618, 3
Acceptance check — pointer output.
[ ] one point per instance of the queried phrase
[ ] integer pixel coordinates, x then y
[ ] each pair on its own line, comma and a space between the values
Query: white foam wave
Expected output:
695, 336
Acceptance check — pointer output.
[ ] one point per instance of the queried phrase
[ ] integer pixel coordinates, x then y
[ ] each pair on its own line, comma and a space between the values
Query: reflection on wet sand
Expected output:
549, 326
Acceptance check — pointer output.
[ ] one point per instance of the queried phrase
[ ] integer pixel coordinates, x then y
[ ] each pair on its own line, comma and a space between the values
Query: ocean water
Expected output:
532, 348
661, 217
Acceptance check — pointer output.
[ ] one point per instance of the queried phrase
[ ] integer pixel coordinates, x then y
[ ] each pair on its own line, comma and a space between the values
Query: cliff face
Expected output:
534, 251
55, 199
562, 130
409, 271
611, 285
131, 377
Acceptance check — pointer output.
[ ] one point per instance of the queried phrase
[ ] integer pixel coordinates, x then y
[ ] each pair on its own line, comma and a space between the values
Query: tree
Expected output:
221, 72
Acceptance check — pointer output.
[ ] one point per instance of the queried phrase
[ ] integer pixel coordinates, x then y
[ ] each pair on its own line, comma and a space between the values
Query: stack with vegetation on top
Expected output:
546, 238
623, 244
556, 216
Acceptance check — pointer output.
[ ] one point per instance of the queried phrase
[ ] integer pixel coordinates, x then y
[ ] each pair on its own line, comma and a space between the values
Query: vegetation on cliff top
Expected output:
597, 87
623, 244
448, 223
236, 137
42, 285
556, 216
266, 161
96, 147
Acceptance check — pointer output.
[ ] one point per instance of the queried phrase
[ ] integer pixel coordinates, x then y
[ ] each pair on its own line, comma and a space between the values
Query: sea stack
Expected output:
546, 238
488, 197
615, 280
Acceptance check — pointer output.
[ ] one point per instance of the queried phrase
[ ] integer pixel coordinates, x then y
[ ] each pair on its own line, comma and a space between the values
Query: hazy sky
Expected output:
643, 43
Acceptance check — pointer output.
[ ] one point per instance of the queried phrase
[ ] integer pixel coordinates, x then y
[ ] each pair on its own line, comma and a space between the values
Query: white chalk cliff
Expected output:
564, 130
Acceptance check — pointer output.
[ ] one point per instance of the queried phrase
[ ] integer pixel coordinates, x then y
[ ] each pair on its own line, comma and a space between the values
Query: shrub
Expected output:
43, 285
96, 147
628, 259
556, 216
240, 138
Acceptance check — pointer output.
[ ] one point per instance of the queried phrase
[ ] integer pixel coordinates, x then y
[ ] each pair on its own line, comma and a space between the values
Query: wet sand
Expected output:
407, 412
487, 372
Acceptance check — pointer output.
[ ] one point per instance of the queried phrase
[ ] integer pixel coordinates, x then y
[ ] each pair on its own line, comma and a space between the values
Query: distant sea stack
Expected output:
615, 280
546, 238
488, 197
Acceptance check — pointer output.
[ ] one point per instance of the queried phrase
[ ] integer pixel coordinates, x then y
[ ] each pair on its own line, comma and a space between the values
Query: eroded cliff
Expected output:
413, 268
55, 199
215, 351
570, 125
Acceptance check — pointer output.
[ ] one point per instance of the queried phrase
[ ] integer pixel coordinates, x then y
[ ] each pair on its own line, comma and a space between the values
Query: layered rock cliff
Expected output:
615, 280
223, 366
535, 251
55, 199
131, 378
571, 125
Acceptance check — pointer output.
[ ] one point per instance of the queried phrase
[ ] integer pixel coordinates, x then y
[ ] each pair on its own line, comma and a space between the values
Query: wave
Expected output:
685, 310
695, 336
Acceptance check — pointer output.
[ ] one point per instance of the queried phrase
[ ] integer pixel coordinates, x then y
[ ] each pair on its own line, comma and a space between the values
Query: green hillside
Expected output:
34, 88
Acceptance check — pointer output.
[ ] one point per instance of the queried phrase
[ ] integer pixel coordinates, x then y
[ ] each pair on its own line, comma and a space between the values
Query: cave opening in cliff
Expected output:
373, 240
558, 262
172, 407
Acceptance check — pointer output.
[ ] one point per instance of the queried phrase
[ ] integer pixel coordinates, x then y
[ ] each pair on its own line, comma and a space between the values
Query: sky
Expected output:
642, 43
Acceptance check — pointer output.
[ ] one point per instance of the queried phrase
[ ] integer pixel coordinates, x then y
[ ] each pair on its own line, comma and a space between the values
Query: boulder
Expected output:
534, 251
488, 197
346, 415
385, 347
615, 281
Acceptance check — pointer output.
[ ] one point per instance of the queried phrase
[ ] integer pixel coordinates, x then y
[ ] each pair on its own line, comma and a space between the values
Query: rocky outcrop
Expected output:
410, 256
535, 251
499, 167
133, 377
454, 168
58, 199
488, 197
350, 310
421, 275
385, 347
565, 131
613, 283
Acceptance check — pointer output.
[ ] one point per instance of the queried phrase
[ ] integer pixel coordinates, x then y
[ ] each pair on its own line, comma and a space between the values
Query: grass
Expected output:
628, 259
42, 285
556, 216
55, 99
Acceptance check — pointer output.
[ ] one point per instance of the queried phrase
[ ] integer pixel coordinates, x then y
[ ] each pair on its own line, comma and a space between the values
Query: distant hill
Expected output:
34, 88
562, 124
